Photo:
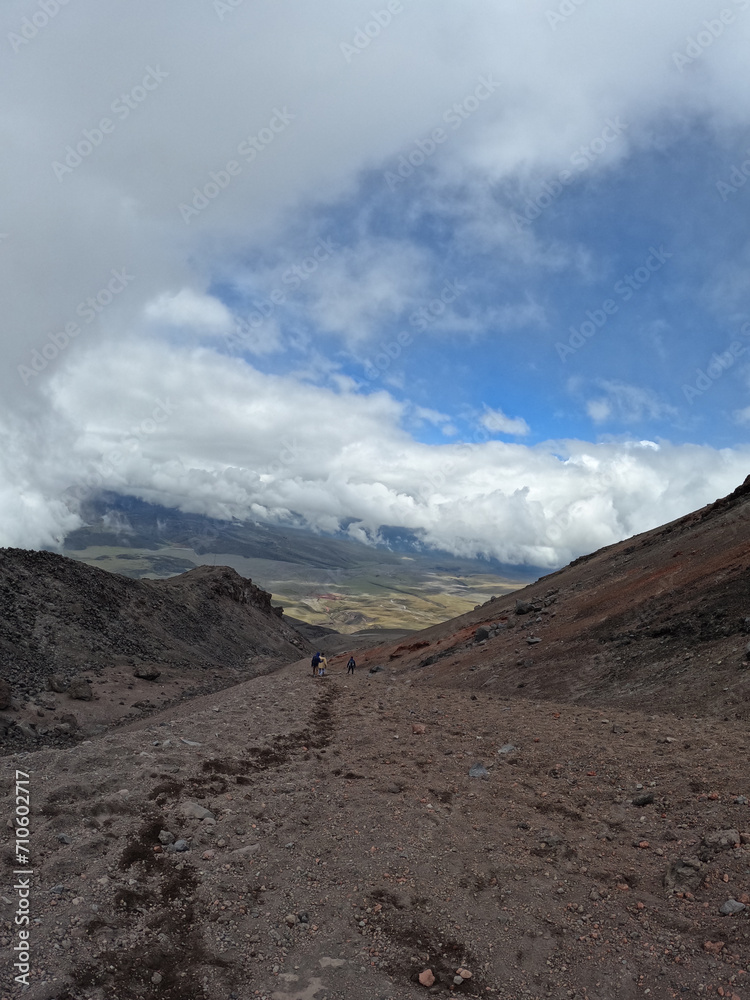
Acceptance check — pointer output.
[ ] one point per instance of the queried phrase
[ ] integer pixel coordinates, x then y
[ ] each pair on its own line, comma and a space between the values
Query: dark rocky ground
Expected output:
81, 649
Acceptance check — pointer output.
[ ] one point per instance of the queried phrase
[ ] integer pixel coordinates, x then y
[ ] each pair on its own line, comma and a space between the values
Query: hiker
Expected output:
322, 666
315, 661
351, 665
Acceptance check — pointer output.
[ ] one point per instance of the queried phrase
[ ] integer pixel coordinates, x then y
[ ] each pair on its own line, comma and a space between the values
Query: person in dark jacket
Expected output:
351, 665
315, 663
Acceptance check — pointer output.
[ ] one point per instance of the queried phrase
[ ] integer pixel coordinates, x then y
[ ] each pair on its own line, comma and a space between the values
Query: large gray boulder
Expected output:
80, 689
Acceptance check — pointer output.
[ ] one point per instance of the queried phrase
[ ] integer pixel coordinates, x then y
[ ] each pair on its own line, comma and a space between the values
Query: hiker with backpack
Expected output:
315, 662
351, 665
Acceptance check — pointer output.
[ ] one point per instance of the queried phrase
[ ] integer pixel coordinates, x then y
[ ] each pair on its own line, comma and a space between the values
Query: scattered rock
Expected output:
243, 852
682, 875
478, 771
721, 840
643, 800
80, 689
731, 907
165, 837
713, 947
192, 810
377, 669
57, 683
481, 634
524, 607
507, 748
417, 728
290, 919
426, 978
178, 847
147, 672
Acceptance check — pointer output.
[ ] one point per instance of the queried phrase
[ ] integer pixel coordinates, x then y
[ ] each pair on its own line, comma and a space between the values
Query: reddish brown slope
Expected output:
661, 619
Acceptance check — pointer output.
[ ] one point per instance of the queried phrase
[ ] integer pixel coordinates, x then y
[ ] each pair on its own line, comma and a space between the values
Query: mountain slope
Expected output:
661, 618
60, 617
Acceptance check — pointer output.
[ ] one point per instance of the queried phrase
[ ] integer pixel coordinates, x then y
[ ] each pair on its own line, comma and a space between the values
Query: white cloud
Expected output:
496, 422
629, 403
599, 410
190, 311
369, 285
187, 428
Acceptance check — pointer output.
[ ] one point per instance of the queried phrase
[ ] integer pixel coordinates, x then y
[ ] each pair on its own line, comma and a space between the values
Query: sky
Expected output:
477, 270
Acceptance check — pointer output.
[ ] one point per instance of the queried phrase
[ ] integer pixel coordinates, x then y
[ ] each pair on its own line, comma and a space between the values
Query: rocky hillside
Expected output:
659, 620
72, 632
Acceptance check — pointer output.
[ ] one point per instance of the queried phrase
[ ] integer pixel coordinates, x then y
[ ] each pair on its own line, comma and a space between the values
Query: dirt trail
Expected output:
378, 856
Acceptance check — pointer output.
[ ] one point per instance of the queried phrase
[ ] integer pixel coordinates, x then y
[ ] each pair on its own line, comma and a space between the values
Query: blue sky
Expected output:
640, 370
477, 271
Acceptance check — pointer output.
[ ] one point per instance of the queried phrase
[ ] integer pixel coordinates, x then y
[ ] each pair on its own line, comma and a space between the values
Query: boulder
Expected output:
57, 683
193, 810
427, 978
683, 875
80, 689
721, 840
146, 672
731, 907
478, 771
524, 607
